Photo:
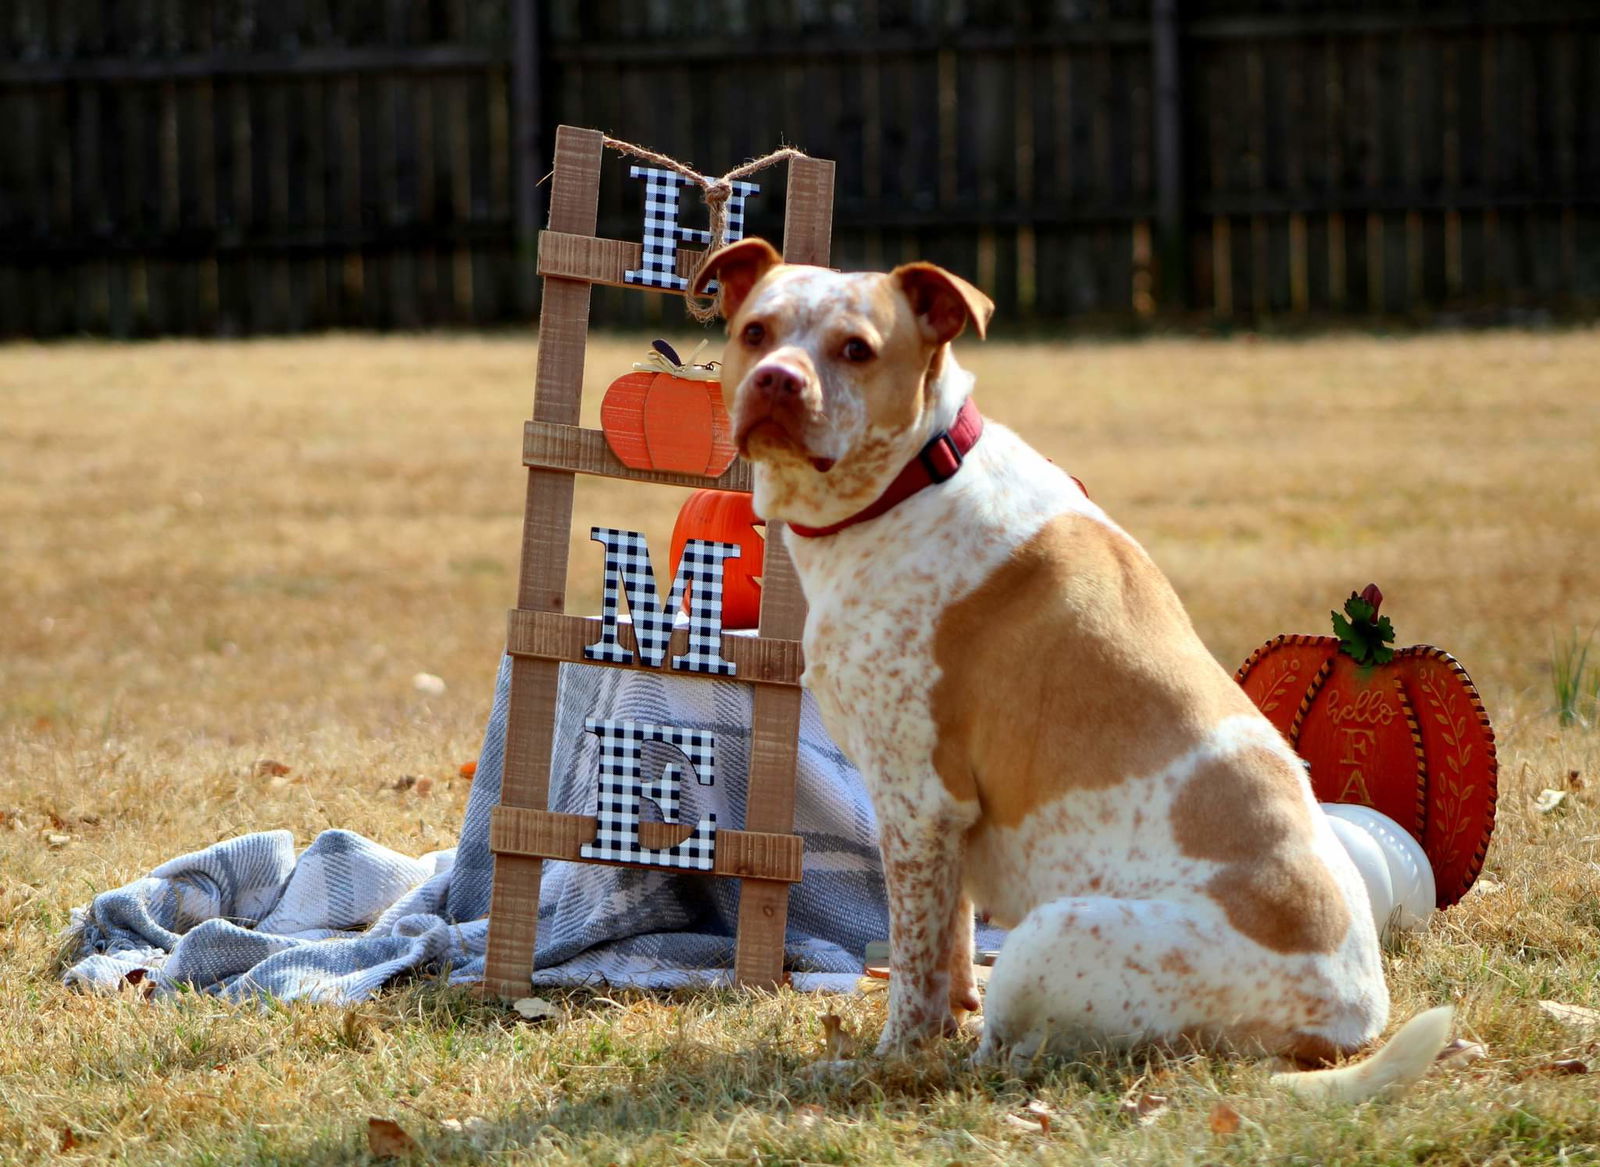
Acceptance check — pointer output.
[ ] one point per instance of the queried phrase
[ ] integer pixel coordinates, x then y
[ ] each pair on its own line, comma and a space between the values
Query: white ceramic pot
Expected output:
1397, 873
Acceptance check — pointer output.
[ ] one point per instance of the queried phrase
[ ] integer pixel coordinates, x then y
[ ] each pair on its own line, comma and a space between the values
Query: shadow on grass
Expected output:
732, 1071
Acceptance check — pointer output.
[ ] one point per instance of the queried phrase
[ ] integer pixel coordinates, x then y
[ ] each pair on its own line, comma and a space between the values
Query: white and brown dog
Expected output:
1042, 731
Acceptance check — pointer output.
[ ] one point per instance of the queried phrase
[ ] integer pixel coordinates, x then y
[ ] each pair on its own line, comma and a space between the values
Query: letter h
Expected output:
663, 232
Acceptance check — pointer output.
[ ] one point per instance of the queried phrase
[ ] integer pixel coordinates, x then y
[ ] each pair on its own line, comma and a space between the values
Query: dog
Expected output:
1042, 732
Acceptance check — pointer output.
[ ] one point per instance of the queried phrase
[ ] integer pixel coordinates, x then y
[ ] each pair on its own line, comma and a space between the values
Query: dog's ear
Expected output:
736, 267
944, 303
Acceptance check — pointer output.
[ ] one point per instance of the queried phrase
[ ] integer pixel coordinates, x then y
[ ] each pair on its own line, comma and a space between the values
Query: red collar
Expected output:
936, 462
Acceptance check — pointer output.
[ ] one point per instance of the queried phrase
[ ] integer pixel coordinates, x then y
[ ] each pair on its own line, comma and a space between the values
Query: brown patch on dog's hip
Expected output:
1246, 810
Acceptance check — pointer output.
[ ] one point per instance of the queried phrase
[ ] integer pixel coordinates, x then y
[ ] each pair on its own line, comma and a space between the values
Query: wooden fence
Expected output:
226, 166
254, 165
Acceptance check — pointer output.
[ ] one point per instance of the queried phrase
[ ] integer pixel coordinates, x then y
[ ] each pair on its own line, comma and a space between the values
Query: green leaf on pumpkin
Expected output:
1365, 639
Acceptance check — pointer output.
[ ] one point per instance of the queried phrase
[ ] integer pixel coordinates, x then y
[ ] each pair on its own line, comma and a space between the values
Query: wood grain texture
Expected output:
774, 739
1422, 159
586, 451
530, 727
556, 636
601, 261
775, 729
547, 834
808, 230
527, 145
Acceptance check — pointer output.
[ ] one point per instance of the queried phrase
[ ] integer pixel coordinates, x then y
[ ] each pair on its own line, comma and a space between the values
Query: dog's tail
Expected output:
1400, 1061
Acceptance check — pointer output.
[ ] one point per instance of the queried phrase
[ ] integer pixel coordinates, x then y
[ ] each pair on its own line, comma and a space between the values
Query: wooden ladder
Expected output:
766, 855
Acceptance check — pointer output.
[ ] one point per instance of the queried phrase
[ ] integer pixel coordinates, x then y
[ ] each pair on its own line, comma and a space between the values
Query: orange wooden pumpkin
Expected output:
667, 415
726, 516
1403, 732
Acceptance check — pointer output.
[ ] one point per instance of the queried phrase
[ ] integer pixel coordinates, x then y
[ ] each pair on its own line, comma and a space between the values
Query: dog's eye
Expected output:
857, 350
754, 333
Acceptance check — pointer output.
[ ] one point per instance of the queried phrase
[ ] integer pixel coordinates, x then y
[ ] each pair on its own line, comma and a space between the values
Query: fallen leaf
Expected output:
1462, 1052
388, 1139
1556, 1069
1041, 1112
271, 768
137, 983
66, 1140
423, 786
404, 782
1223, 1120
1026, 1125
1574, 779
468, 769
1144, 1109
1549, 799
838, 1042
1579, 1018
535, 1008
58, 840
429, 685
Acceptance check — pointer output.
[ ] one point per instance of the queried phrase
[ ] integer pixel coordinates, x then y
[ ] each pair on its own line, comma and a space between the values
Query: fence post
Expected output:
527, 144
1172, 289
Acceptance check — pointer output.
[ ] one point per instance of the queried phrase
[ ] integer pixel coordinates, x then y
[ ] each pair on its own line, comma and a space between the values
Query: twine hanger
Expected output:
715, 193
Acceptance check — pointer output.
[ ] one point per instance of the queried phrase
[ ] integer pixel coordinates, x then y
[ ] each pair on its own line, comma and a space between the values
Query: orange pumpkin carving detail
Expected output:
1403, 732
726, 516
667, 415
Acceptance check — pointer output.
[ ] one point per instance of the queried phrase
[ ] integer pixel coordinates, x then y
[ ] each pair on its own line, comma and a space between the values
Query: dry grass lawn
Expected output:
218, 553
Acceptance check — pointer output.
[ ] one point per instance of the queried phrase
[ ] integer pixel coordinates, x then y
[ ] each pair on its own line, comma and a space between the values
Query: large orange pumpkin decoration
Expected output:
668, 415
1403, 732
726, 516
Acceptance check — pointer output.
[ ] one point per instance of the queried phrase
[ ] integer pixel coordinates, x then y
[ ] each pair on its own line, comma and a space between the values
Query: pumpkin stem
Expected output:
1362, 633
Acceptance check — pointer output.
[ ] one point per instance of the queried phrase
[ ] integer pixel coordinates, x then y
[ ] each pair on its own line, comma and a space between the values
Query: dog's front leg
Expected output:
922, 871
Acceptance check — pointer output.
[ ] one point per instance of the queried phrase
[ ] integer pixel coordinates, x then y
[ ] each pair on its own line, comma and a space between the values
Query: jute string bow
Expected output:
715, 193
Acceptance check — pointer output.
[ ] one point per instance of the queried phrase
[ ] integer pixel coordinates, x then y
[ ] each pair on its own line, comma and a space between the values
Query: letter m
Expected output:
629, 571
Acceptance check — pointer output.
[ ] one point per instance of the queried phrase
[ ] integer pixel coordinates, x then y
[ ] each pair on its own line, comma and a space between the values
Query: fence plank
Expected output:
527, 146
1172, 289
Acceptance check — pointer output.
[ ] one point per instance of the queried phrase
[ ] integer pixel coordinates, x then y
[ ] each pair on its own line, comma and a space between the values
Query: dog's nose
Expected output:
777, 382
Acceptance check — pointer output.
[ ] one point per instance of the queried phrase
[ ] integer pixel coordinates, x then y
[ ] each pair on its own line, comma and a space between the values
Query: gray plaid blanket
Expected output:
249, 917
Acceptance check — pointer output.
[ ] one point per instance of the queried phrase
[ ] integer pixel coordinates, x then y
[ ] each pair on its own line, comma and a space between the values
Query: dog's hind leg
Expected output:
963, 981
1097, 972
